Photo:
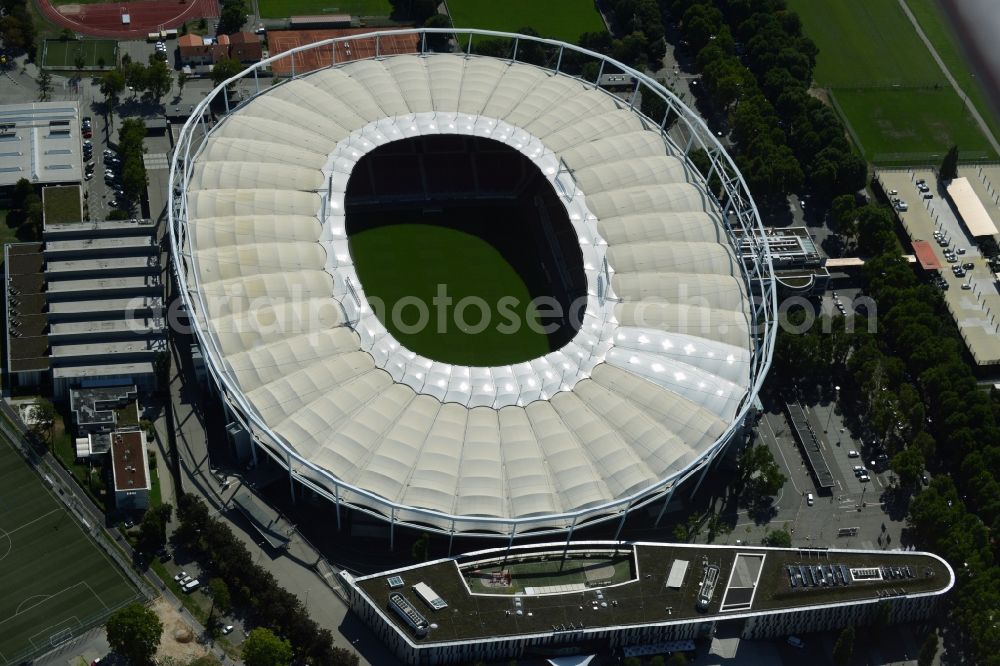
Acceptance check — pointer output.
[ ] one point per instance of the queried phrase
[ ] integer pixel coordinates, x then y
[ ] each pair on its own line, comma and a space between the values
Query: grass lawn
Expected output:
90, 476
59, 54
865, 43
410, 261
918, 123
57, 580
62, 204
558, 19
894, 95
286, 8
935, 26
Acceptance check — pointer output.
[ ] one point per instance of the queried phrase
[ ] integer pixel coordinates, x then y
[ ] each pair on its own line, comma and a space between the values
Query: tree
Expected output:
79, 62
263, 648
949, 165
778, 538
844, 647
159, 78
224, 69
908, 464
232, 16
928, 650
150, 532
44, 82
438, 42
758, 473
421, 548
136, 77
112, 85
134, 632
219, 591
677, 659
43, 416
182, 78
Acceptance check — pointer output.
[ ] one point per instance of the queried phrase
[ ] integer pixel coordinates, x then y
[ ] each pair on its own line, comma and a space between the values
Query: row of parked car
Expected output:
187, 583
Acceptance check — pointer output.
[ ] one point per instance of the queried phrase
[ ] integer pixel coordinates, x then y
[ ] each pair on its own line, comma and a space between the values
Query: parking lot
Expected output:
853, 503
976, 307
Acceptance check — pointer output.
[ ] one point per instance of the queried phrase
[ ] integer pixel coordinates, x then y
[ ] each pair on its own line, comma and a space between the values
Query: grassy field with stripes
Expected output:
56, 581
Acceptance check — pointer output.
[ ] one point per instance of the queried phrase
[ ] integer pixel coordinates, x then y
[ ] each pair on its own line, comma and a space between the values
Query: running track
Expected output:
104, 20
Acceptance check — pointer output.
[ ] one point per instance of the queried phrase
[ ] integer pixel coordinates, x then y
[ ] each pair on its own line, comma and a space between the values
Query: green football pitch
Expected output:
558, 19
56, 581
61, 54
402, 265
287, 8
894, 96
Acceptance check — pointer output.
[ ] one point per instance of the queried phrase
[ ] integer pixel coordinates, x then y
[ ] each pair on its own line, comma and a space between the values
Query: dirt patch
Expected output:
822, 94
179, 639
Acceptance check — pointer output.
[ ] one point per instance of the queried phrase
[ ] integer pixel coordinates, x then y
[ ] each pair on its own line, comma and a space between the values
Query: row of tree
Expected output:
757, 68
134, 632
911, 382
130, 147
152, 80
253, 588
958, 515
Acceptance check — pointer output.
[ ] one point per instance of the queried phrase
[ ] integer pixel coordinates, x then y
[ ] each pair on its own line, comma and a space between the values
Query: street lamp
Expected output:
836, 394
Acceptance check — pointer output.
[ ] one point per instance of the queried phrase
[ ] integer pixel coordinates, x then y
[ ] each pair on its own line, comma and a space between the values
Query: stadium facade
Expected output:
676, 334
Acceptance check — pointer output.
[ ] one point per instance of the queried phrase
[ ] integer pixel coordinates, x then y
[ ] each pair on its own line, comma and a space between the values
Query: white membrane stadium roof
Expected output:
647, 387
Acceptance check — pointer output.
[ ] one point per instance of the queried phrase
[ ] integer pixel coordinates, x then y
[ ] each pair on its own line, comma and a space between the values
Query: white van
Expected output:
795, 641
191, 586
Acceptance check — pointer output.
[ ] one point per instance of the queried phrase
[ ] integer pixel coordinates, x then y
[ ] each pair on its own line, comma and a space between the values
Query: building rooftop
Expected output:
27, 322
96, 407
53, 269
613, 585
128, 458
970, 209
40, 142
105, 305
134, 244
136, 326
97, 228
66, 351
103, 370
104, 284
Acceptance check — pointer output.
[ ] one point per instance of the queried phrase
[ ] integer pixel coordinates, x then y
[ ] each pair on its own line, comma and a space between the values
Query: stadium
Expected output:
314, 207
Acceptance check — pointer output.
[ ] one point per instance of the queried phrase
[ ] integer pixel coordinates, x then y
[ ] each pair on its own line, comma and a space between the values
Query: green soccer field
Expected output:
912, 126
558, 19
409, 261
57, 582
892, 92
287, 8
60, 54
936, 27
865, 43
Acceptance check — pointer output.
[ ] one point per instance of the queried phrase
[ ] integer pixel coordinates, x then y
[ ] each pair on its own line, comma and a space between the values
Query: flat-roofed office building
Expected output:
40, 142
